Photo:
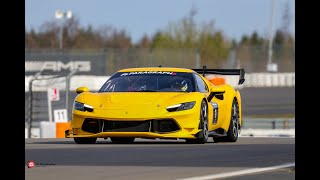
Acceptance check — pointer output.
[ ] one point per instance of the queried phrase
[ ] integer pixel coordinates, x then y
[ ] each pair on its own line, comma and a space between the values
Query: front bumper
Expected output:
156, 128
182, 124
133, 134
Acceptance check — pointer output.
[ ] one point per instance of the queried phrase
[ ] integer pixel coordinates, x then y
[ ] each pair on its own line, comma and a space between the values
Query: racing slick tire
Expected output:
202, 136
233, 131
80, 140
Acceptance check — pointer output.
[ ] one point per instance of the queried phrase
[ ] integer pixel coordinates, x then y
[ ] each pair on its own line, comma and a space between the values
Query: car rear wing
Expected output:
239, 72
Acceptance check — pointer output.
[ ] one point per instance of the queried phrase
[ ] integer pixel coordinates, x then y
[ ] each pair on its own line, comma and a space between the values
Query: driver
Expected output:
180, 85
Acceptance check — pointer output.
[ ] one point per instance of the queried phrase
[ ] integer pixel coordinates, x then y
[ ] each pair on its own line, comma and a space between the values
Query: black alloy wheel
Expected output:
202, 136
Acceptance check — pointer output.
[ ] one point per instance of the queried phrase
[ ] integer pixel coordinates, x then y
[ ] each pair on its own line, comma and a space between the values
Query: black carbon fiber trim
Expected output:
126, 126
152, 125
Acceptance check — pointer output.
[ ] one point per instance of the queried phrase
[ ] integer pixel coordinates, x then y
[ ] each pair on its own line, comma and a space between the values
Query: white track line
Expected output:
241, 172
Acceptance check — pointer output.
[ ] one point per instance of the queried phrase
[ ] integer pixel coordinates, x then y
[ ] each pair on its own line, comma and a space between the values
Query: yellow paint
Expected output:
141, 106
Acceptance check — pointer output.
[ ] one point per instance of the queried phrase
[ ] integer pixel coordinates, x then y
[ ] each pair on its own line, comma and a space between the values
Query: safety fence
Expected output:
101, 62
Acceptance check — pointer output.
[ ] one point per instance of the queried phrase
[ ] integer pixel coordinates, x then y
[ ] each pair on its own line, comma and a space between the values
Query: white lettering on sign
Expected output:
57, 66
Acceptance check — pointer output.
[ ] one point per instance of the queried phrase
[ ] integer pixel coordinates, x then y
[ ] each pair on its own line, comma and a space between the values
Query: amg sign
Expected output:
62, 64
57, 66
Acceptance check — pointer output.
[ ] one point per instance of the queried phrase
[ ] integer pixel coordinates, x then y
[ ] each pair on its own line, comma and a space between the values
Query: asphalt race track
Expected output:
248, 158
160, 159
268, 102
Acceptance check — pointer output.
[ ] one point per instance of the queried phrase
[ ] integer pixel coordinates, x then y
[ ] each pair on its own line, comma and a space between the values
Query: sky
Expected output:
234, 18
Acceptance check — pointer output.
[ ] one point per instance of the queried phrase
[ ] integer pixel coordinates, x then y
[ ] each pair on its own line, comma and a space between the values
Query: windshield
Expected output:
149, 81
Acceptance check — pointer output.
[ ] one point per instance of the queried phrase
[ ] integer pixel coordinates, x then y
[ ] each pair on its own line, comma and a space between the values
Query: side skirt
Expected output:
218, 133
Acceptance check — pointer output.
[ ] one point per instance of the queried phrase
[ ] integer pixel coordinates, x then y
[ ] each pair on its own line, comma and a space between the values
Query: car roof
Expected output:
173, 69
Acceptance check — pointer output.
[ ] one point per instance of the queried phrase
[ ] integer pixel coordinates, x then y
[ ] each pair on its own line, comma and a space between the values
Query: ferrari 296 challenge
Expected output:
159, 102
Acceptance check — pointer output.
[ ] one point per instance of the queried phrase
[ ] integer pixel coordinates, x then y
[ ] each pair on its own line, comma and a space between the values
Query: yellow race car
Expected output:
159, 102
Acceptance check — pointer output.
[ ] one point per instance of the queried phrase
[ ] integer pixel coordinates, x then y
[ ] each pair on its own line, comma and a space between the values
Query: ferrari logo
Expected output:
31, 164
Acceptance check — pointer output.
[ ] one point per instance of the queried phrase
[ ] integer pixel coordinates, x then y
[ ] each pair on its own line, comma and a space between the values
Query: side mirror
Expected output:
216, 92
82, 89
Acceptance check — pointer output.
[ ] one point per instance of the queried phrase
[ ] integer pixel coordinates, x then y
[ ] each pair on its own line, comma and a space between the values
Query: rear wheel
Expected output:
80, 140
122, 140
233, 131
202, 137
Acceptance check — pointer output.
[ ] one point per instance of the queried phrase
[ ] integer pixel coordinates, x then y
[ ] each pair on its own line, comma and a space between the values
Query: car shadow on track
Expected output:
142, 142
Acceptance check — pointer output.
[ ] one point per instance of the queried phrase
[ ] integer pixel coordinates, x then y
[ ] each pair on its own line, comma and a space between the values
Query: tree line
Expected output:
205, 39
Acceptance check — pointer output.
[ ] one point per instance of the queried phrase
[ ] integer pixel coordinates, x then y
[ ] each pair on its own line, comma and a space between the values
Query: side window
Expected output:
201, 84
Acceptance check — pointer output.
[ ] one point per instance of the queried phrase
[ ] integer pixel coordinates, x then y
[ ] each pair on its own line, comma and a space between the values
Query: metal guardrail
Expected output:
268, 123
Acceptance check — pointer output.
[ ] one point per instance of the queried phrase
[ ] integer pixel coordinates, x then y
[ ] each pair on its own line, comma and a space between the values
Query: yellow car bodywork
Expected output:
143, 106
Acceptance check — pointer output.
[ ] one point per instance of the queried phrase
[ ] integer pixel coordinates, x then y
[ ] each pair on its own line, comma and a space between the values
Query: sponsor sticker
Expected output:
149, 72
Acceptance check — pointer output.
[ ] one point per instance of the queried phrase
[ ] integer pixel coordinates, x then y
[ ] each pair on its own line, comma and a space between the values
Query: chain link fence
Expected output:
43, 99
108, 61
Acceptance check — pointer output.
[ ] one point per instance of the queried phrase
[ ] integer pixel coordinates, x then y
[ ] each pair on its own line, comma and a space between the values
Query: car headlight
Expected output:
82, 107
182, 106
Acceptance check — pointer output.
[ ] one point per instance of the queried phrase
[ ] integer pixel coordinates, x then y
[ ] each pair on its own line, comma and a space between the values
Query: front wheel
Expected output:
203, 135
